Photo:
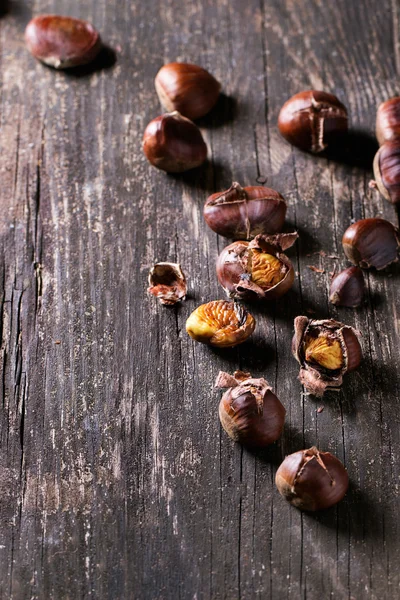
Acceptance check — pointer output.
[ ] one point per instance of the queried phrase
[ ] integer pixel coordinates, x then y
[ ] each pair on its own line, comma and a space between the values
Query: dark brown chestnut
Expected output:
325, 350
174, 144
220, 323
312, 480
62, 42
242, 213
167, 282
347, 288
387, 171
388, 121
258, 269
249, 411
190, 89
312, 120
371, 243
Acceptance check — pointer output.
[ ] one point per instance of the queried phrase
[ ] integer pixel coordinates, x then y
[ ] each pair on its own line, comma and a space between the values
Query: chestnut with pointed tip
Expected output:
249, 411
347, 288
372, 243
387, 171
62, 42
388, 121
312, 480
190, 89
174, 144
167, 283
220, 323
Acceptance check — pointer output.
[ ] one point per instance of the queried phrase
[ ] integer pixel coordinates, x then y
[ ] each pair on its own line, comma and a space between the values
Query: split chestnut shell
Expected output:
372, 243
167, 282
220, 323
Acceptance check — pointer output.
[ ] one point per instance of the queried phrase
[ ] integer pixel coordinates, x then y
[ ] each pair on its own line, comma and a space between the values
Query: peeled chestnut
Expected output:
312, 120
347, 288
167, 283
325, 350
220, 323
387, 171
249, 411
174, 144
388, 121
190, 89
312, 480
242, 213
258, 269
62, 42
371, 243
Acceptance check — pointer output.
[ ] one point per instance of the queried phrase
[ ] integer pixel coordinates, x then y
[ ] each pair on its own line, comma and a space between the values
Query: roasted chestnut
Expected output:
174, 144
220, 323
388, 121
258, 269
312, 120
167, 283
312, 480
62, 42
190, 89
249, 411
347, 288
387, 171
242, 213
371, 243
326, 350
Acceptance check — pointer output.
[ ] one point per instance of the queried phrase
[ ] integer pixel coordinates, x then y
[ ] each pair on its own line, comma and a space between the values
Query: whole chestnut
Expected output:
347, 288
220, 323
242, 213
187, 88
249, 411
312, 480
371, 243
174, 144
312, 120
388, 121
258, 269
62, 42
387, 171
326, 350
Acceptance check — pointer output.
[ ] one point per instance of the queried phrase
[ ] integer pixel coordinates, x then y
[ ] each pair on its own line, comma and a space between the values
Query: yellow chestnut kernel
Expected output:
266, 270
325, 352
220, 323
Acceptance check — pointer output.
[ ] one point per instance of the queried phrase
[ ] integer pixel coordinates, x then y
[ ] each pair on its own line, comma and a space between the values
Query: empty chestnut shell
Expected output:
347, 288
242, 213
371, 243
167, 283
387, 171
249, 411
258, 269
174, 144
388, 121
312, 480
62, 42
190, 89
220, 323
312, 120
325, 350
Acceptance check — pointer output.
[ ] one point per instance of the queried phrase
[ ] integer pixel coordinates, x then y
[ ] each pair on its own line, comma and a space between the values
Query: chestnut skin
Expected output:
387, 171
348, 288
187, 88
388, 121
174, 144
371, 243
312, 480
312, 120
62, 42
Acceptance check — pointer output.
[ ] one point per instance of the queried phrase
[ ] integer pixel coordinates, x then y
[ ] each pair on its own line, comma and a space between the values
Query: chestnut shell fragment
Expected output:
348, 288
167, 283
372, 243
387, 171
388, 121
220, 323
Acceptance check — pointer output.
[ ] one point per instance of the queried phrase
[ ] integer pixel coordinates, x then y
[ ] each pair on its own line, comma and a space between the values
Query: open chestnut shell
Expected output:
348, 288
388, 121
372, 243
242, 213
167, 283
387, 171
325, 350
312, 480
220, 323
249, 411
258, 269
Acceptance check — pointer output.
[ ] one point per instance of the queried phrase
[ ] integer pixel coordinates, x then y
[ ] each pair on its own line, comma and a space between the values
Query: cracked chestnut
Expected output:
258, 269
388, 121
220, 323
312, 120
387, 171
167, 282
372, 243
249, 411
326, 350
242, 213
188, 88
312, 480
347, 288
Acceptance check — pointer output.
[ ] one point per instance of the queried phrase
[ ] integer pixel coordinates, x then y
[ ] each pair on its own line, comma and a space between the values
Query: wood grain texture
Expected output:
116, 480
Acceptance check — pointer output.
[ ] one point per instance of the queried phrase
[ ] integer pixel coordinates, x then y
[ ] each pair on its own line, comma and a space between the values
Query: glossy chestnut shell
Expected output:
348, 288
388, 121
220, 323
371, 243
387, 171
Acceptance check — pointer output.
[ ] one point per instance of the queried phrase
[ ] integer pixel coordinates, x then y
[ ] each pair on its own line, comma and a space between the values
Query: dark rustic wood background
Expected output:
116, 480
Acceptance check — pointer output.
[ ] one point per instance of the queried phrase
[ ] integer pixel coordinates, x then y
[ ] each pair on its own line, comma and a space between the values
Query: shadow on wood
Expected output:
106, 59
357, 149
224, 112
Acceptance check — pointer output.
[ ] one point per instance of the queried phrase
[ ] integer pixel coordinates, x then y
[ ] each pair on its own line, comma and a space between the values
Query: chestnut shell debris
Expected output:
220, 323
348, 288
333, 344
372, 243
167, 283
249, 411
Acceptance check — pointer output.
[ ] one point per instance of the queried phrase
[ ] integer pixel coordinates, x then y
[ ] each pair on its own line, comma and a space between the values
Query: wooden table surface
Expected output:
116, 480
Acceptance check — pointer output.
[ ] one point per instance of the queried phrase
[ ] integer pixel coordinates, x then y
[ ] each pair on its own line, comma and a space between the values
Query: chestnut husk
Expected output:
387, 171
173, 143
316, 378
249, 411
167, 282
312, 120
388, 121
348, 288
242, 213
312, 480
372, 243
234, 267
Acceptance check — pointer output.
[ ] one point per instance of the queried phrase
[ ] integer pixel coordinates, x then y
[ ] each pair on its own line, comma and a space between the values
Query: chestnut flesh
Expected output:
388, 121
220, 323
348, 288
387, 171
371, 243
167, 282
